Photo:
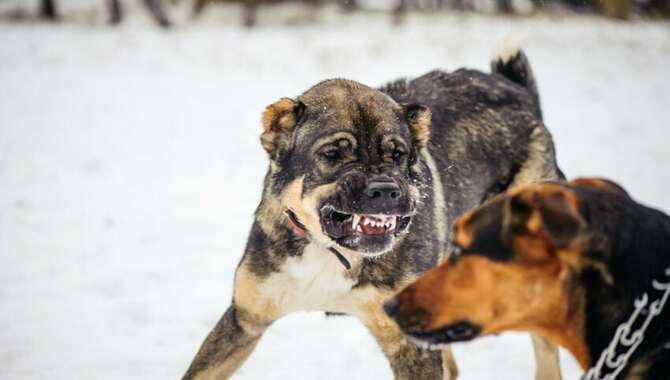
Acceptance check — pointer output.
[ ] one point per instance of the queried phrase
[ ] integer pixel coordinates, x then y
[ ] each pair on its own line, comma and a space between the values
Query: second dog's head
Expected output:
518, 265
344, 164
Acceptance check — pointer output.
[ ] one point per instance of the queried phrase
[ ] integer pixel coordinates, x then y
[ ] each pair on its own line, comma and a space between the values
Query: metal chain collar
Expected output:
626, 340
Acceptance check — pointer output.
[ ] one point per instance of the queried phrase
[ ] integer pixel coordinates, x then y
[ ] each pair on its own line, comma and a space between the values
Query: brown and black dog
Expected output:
362, 188
567, 261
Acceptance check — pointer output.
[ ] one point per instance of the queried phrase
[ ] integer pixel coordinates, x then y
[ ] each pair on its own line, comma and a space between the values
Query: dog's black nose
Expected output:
391, 306
384, 191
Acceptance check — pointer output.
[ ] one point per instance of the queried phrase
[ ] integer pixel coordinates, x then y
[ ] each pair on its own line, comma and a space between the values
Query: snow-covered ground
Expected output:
130, 167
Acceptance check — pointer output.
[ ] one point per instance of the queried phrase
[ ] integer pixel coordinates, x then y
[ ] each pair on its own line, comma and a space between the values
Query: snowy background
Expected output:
130, 167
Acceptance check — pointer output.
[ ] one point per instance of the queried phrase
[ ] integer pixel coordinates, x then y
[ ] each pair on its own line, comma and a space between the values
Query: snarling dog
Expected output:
362, 188
578, 263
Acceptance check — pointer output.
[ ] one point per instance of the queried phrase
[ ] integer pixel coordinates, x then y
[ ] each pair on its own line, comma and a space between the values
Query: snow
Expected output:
130, 168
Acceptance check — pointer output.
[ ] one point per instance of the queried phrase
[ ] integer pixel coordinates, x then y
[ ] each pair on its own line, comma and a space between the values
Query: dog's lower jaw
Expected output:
395, 241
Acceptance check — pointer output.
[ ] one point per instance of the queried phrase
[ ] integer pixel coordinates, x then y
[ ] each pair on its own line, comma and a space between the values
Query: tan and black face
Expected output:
344, 163
510, 272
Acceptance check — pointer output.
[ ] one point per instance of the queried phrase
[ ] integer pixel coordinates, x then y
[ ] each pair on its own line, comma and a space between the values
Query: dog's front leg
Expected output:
546, 359
407, 360
233, 339
226, 347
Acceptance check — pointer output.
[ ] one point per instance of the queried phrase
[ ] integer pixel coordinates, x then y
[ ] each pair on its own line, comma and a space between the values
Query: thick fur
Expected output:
464, 137
567, 259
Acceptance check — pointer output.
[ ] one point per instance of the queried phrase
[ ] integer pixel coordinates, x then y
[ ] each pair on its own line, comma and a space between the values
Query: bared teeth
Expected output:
372, 224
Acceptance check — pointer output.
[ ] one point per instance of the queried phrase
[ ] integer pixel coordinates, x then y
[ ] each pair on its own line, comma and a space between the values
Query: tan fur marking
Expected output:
345, 137
380, 325
278, 122
278, 116
600, 184
269, 213
449, 367
439, 209
539, 164
546, 359
419, 124
248, 296
463, 234
388, 335
226, 369
306, 209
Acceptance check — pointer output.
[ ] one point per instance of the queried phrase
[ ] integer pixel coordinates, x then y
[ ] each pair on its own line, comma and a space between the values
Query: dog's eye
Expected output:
397, 154
332, 154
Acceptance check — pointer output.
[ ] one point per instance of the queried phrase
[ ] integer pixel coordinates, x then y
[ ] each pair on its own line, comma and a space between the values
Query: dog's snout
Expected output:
383, 191
391, 307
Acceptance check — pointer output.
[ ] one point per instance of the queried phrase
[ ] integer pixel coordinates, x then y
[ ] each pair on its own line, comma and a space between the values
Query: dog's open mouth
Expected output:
370, 224
438, 339
368, 233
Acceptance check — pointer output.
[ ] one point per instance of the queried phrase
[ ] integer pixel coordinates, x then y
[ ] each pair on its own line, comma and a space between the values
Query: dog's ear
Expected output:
601, 184
561, 218
279, 121
418, 117
552, 213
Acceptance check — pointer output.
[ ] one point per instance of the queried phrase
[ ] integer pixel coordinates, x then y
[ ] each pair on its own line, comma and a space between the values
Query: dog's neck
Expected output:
634, 339
596, 307
629, 249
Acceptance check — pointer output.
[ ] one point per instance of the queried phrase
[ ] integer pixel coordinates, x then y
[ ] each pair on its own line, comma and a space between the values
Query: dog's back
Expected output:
487, 133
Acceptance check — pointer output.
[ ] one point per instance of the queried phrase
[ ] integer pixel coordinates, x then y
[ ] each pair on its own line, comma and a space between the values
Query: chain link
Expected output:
623, 338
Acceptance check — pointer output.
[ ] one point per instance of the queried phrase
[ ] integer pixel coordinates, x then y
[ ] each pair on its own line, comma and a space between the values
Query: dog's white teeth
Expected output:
376, 221
358, 228
355, 220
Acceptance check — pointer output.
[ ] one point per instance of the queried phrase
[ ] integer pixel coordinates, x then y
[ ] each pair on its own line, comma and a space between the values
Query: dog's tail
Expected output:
510, 62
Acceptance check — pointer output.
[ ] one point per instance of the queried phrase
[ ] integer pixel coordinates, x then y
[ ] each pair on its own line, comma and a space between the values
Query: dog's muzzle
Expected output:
367, 214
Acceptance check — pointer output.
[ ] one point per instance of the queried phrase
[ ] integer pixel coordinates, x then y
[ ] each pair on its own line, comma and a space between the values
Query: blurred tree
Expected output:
115, 11
620, 9
48, 10
156, 9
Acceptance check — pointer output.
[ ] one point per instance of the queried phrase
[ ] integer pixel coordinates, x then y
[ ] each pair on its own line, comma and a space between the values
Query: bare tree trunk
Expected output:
506, 7
199, 6
348, 5
115, 11
616, 8
459, 5
399, 11
156, 9
48, 10
250, 9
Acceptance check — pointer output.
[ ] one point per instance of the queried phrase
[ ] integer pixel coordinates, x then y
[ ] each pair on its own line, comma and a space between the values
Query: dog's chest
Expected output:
316, 280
